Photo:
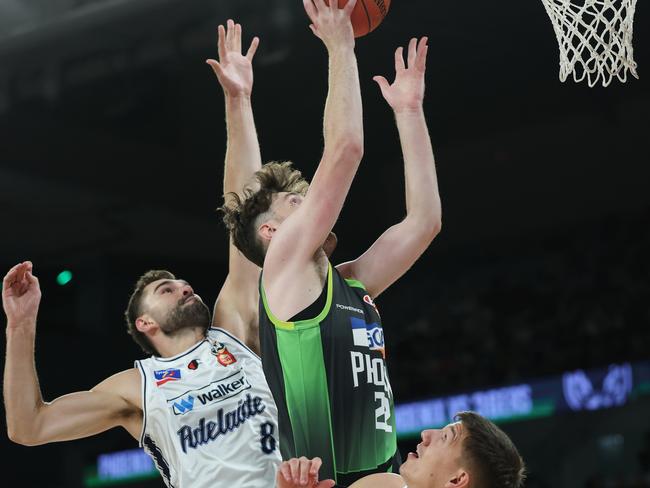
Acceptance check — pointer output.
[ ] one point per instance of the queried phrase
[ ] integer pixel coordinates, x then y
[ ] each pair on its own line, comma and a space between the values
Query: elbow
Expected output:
22, 437
435, 227
19, 438
354, 149
428, 228
350, 149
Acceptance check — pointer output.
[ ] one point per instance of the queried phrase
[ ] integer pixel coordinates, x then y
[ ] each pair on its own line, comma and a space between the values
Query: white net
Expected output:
595, 38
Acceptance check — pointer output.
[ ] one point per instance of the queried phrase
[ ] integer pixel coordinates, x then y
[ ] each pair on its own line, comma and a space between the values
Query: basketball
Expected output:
367, 15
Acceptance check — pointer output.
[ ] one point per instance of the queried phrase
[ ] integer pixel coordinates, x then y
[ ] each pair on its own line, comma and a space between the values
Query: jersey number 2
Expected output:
382, 414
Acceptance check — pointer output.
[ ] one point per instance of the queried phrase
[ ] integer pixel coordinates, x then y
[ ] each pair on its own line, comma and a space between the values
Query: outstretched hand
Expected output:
21, 296
301, 472
407, 91
234, 70
331, 24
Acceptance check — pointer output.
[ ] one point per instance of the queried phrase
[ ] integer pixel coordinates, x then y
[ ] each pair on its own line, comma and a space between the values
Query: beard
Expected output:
194, 315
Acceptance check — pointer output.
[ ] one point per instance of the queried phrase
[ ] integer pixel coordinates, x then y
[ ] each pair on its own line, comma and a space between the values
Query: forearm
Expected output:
243, 156
421, 182
22, 394
343, 120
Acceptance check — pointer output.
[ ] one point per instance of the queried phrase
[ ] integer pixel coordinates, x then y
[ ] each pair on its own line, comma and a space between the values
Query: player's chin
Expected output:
409, 464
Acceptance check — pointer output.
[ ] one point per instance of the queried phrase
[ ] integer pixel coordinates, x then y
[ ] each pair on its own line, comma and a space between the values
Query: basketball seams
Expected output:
365, 9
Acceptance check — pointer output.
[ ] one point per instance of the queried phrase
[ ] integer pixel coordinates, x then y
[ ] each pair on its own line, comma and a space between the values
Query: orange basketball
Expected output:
367, 15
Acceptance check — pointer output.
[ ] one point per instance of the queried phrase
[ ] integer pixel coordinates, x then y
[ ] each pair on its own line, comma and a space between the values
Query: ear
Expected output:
145, 323
266, 231
460, 480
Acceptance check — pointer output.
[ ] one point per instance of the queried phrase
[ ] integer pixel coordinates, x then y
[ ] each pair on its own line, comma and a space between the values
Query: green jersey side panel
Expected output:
328, 377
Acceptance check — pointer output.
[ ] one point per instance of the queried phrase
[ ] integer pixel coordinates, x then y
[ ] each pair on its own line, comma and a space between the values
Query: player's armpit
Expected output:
114, 402
391, 255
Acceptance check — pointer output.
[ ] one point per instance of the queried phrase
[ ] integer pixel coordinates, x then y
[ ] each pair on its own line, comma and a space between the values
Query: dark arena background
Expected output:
532, 306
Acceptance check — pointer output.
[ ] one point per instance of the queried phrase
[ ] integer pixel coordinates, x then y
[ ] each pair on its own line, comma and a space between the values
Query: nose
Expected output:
187, 290
427, 435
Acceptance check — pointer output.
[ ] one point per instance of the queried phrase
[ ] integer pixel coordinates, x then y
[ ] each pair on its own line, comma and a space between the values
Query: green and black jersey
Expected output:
328, 377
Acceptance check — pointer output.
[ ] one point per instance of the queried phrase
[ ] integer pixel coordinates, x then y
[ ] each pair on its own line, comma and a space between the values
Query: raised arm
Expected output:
235, 74
236, 305
30, 420
402, 244
305, 231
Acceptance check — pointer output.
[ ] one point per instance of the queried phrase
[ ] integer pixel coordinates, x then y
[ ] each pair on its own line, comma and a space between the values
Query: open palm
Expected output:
234, 70
407, 91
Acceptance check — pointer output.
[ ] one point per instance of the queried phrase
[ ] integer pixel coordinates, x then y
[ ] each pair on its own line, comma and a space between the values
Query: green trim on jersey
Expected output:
301, 324
355, 283
300, 350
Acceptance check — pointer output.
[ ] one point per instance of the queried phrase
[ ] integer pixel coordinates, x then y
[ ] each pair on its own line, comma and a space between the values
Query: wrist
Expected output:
415, 110
238, 98
21, 328
340, 48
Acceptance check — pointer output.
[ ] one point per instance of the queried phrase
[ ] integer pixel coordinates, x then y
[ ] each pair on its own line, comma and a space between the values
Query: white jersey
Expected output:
209, 417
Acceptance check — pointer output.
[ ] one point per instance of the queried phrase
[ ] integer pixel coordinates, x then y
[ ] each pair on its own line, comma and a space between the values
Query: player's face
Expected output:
174, 306
284, 204
437, 462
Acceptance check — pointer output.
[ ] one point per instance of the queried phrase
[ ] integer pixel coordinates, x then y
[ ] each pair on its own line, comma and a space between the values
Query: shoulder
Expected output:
125, 385
380, 480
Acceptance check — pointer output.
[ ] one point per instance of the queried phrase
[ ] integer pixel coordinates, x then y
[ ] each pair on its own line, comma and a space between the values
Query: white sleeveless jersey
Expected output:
209, 417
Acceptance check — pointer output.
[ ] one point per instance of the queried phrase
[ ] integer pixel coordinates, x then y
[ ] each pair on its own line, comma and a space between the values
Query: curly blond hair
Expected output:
242, 215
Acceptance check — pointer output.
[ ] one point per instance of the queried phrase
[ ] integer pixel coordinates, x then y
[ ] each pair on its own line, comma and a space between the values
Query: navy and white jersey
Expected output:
209, 416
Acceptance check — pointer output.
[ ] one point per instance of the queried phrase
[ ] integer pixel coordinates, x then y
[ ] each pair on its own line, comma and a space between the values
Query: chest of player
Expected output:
354, 323
213, 387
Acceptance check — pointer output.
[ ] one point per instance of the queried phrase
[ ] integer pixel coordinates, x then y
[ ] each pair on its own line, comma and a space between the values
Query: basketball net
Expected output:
595, 38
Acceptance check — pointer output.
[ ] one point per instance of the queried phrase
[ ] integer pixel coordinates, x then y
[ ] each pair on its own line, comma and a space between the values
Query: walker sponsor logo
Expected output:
368, 335
184, 405
349, 308
215, 392
165, 375
225, 421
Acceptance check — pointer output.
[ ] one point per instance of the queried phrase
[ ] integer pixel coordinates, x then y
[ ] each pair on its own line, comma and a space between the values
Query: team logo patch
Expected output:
215, 392
368, 335
368, 299
193, 364
165, 375
224, 356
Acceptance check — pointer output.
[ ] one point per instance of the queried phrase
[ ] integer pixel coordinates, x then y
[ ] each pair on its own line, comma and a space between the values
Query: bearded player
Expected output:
199, 405
321, 335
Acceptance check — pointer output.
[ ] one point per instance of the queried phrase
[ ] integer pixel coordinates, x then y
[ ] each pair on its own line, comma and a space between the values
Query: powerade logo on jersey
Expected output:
215, 392
165, 375
226, 421
368, 335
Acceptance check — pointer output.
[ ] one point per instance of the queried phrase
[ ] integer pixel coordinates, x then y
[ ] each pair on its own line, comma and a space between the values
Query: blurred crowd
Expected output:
578, 299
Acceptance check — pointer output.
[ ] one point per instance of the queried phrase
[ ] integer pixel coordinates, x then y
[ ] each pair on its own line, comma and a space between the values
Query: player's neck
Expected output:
170, 346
